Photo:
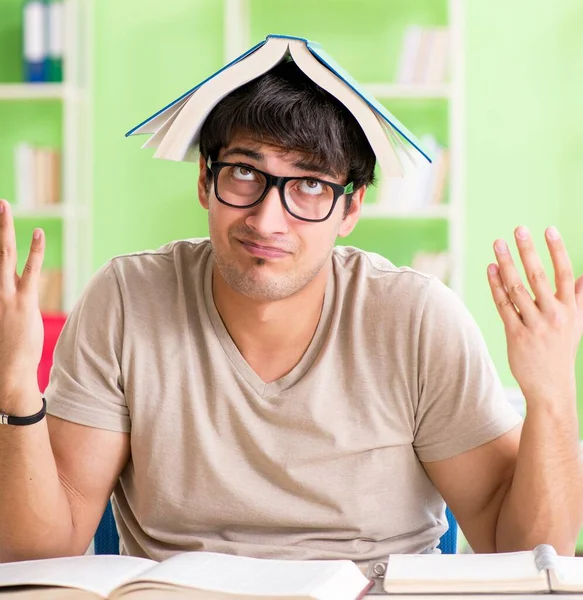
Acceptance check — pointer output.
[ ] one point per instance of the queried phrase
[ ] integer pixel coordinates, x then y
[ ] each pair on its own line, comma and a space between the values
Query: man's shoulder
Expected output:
169, 258
354, 265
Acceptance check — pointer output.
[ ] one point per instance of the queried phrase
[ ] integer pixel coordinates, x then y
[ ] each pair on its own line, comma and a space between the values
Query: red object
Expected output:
53, 324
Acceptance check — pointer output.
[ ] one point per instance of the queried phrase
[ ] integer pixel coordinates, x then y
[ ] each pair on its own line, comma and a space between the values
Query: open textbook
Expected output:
192, 575
175, 129
538, 571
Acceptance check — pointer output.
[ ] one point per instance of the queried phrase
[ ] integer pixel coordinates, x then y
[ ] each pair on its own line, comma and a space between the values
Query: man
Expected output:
264, 393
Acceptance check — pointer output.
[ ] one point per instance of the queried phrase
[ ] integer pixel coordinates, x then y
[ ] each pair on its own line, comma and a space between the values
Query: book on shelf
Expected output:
42, 45
422, 186
38, 176
433, 263
51, 291
174, 130
538, 571
424, 56
192, 575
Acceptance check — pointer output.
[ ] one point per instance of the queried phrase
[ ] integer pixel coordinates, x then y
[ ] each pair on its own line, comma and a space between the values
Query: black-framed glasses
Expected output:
305, 198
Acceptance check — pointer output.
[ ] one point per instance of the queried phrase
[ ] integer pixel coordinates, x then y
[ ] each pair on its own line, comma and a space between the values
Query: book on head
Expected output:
189, 575
537, 571
174, 130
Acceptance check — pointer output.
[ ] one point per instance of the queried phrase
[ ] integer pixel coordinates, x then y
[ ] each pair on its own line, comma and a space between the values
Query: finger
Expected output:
511, 279
564, 280
7, 248
32, 269
504, 304
533, 268
579, 292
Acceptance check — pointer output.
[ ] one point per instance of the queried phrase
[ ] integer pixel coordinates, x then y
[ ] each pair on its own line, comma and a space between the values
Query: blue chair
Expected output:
448, 541
107, 539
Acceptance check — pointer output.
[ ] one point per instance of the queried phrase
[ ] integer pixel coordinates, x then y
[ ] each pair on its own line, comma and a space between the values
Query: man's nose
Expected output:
269, 216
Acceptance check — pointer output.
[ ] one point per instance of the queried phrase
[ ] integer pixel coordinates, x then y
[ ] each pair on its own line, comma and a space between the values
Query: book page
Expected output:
181, 139
568, 575
372, 126
464, 573
255, 577
98, 574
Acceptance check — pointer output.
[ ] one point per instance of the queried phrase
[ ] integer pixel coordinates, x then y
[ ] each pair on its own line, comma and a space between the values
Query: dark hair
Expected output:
287, 109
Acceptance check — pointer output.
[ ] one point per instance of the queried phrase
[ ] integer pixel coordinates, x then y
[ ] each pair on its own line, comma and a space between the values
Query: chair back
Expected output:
106, 540
448, 541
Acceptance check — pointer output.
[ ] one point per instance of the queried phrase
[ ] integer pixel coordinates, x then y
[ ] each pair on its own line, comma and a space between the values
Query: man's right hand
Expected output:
21, 328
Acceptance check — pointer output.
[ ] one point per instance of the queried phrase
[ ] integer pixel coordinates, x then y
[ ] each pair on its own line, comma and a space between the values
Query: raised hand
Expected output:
543, 332
21, 329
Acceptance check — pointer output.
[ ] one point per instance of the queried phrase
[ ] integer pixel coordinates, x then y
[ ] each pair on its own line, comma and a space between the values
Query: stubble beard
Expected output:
254, 283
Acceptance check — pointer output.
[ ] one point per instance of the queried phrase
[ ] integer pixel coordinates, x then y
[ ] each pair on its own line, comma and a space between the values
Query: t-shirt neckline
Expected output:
272, 388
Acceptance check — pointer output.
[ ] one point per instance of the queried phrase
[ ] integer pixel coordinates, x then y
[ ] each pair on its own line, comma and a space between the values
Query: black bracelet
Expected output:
31, 420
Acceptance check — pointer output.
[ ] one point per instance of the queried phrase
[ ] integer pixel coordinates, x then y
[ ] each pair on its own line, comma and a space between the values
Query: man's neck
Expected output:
271, 336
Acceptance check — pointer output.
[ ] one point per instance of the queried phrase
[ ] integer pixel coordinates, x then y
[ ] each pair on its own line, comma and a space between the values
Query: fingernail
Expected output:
501, 246
36, 234
492, 269
553, 233
1, 207
522, 233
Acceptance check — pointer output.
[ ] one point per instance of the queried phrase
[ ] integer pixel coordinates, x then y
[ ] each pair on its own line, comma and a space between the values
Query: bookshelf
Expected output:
29, 91
56, 115
432, 228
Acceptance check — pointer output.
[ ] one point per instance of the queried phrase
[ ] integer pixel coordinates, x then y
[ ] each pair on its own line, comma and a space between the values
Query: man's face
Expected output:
264, 252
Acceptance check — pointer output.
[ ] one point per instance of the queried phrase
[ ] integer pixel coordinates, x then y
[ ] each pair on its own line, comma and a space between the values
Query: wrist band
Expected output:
31, 420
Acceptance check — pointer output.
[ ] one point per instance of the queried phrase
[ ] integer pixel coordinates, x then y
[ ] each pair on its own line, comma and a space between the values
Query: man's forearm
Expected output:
35, 515
544, 503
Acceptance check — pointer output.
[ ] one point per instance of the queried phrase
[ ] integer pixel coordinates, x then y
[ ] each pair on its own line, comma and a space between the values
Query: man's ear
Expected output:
351, 217
203, 188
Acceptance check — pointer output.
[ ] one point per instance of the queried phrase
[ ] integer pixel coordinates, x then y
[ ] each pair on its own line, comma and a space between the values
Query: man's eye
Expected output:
311, 186
243, 173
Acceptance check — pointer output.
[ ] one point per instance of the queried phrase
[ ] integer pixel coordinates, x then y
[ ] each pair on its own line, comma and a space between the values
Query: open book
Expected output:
538, 571
190, 575
175, 129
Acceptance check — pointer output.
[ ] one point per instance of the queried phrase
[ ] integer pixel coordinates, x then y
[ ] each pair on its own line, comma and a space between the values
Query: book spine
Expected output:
55, 41
545, 557
34, 41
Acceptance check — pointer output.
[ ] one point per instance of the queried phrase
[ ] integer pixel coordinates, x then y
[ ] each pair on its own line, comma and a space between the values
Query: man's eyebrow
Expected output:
303, 164
306, 165
245, 152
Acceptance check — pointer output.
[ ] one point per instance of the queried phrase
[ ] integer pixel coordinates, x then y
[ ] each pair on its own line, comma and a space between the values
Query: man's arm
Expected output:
522, 490
55, 481
55, 477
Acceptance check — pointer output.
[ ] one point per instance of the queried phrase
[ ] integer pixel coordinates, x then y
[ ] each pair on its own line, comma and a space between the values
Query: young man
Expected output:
265, 393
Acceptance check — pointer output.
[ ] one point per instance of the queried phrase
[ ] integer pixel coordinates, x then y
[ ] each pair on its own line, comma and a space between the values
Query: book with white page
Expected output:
192, 575
175, 128
538, 571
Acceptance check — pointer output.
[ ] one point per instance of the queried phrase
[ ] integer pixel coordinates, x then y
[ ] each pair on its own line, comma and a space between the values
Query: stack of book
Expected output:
38, 176
51, 291
433, 263
42, 35
424, 56
423, 184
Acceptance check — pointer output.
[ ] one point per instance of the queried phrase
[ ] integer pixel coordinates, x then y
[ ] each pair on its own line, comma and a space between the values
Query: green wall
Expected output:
523, 137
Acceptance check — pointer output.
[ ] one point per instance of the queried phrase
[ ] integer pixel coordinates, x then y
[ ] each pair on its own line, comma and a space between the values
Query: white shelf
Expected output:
397, 90
380, 211
32, 91
57, 211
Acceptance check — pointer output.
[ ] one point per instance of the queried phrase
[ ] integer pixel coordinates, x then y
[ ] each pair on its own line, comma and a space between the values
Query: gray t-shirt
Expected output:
321, 463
